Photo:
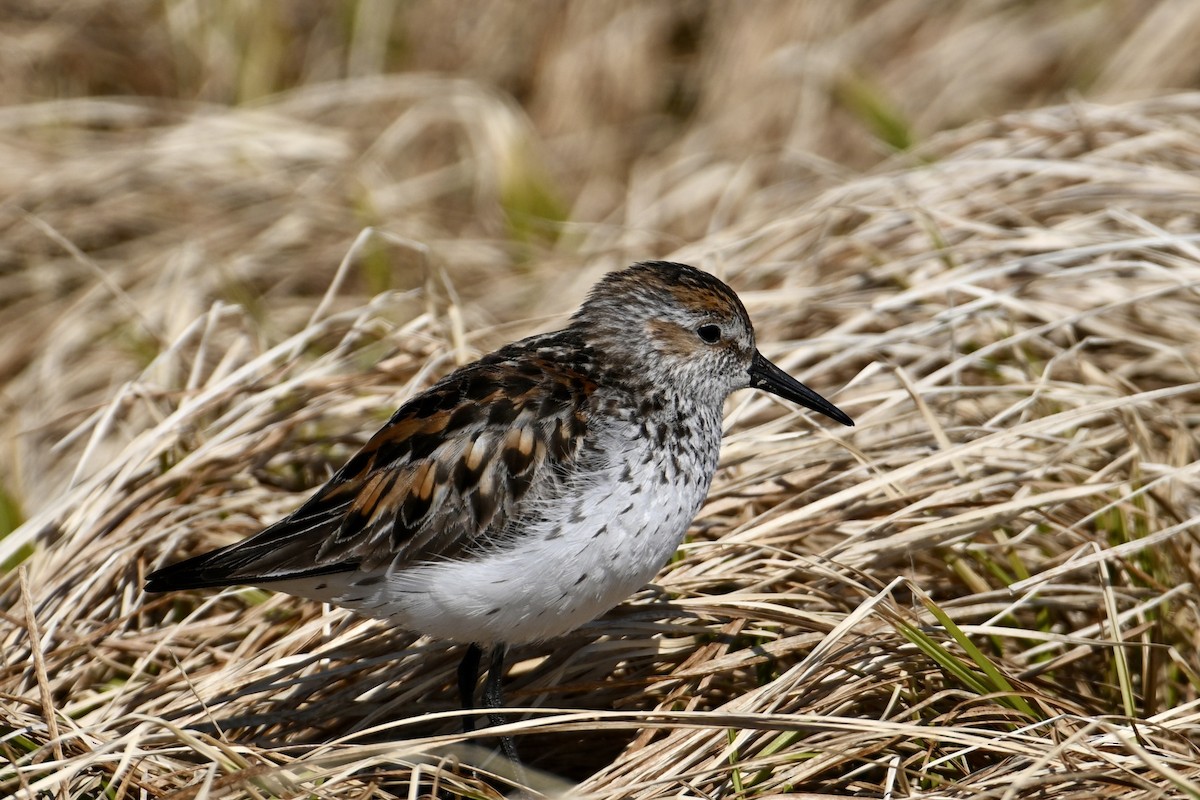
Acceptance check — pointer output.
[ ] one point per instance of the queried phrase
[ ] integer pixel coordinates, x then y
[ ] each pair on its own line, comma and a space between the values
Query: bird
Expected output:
527, 493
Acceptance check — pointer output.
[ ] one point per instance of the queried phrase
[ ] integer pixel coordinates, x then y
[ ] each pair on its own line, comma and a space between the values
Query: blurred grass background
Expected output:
239, 147
196, 327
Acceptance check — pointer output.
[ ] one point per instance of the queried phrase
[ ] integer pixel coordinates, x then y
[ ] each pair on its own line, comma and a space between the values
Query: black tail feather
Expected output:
258, 560
228, 566
191, 573
283, 551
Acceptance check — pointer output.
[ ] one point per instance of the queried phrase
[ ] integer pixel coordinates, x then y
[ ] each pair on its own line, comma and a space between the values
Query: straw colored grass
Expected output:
986, 589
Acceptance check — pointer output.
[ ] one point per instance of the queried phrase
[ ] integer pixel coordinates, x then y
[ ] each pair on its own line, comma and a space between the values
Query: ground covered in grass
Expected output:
986, 589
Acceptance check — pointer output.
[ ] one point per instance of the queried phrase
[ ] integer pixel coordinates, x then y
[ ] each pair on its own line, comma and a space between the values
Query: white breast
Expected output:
596, 543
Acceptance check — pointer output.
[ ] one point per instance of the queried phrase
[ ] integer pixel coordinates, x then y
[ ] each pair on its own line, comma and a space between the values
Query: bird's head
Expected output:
679, 328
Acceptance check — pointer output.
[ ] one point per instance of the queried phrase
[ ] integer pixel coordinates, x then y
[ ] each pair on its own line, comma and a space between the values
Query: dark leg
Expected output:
493, 698
468, 674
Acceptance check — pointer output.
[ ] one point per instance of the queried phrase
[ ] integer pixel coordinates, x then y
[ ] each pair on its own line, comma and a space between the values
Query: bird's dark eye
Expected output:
709, 333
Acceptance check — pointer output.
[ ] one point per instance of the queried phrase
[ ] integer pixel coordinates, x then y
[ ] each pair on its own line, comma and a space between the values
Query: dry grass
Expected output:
986, 589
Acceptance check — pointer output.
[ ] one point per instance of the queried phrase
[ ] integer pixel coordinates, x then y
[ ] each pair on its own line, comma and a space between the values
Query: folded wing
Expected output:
450, 470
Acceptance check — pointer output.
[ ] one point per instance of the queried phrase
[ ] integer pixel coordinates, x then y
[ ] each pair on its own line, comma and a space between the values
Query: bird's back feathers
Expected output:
437, 480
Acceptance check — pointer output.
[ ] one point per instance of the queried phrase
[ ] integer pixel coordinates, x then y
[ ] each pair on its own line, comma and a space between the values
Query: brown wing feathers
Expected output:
449, 469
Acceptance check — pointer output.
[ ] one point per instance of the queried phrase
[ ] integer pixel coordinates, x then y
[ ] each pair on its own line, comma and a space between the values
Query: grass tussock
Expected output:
987, 589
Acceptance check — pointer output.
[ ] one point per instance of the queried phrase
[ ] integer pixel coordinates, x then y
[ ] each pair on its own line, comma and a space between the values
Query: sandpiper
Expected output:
530, 491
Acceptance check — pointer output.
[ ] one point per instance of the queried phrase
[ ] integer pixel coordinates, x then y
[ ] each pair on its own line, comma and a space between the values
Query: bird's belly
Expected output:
598, 548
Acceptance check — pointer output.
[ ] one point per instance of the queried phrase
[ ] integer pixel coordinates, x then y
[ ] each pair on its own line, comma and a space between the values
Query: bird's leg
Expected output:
468, 675
493, 698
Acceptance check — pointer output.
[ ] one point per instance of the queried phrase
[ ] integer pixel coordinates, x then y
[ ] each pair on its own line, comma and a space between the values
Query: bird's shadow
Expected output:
382, 678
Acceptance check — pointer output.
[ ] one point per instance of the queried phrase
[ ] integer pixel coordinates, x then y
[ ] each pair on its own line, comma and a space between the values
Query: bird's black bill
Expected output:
767, 376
